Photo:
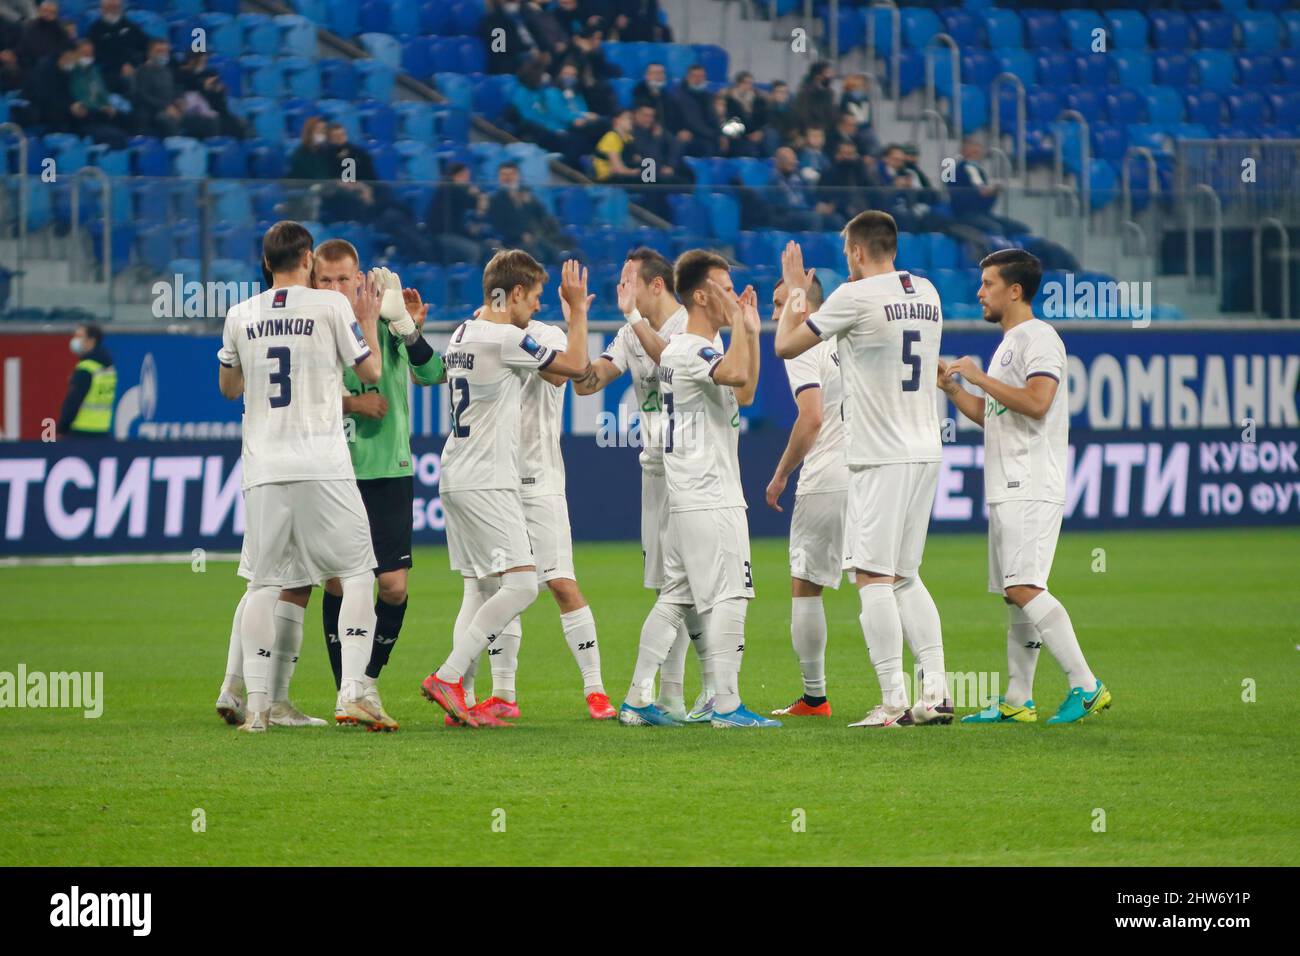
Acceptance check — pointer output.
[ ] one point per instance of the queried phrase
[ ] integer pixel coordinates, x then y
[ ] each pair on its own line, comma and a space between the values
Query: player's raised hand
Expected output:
573, 287
627, 288
564, 306
965, 367
775, 488
749, 309
722, 304
792, 270
415, 307
368, 297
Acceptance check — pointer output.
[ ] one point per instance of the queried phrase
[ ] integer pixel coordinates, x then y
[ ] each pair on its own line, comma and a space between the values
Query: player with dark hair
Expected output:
1026, 422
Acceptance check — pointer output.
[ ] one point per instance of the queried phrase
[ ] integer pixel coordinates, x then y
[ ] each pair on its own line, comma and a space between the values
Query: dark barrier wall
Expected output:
84, 498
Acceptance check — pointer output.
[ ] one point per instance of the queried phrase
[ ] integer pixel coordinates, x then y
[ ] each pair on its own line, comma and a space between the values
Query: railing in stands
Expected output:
895, 44
1284, 260
1216, 225
20, 247
931, 94
995, 105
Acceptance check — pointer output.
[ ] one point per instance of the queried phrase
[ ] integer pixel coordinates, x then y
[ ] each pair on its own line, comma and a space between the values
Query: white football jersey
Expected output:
626, 353
888, 328
824, 467
541, 466
487, 365
292, 344
701, 428
1026, 457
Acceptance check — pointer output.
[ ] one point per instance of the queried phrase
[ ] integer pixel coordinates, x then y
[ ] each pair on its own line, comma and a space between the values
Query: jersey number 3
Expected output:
280, 377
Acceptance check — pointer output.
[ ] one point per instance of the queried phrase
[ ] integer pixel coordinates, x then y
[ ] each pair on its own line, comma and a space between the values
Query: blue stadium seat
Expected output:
963, 26
974, 108
420, 56
978, 67
1003, 29
1126, 30
457, 88
714, 59
1285, 105
632, 58
473, 57
342, 111
338, 78
226, 158
297, 34
404, 16
1214, 30
148, 157
1261, 32
1291, 23
1246, 107
377, 79
261, 75
384, 157
189, 157
222, 33
1019, 62
1092, 69
300, 77
913, 251
414, 120
1056, 67
1043, 105
944, 251
372, 17
1214, 70
623, 87
1172, 69
1079, 29
1164, 105
232, 203
231, 73
180, 31
754, 173
1133, 69
466, 16
383, 48
1109, 141
378, 120
153, 24
343, 19
1086, 100
259, 34
610, 205
919, 26
415, 162
1042, 29
267, 201
1170, 30
1288, 68
267, 162
724, 217
436, 19
1123, 105
1256, 70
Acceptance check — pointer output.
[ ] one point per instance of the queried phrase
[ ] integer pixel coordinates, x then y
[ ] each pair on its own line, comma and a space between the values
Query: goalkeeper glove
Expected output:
392, 309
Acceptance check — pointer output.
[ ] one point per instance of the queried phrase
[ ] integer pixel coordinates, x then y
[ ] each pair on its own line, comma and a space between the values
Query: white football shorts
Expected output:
487, 532
817, 538
706, 558
548, 527
1022, 542
305, 532
889, 516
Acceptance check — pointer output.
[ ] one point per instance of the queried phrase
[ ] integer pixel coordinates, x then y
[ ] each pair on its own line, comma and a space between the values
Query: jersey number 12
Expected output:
458, 387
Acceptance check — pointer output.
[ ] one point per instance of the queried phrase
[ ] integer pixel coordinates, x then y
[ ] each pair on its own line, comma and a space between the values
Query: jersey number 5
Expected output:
280, 377
458, 387
913, 362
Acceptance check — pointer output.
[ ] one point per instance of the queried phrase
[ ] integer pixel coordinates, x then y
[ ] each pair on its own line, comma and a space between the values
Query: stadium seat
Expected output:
189, 157
1019, 62
1172, 69
338, 78
1164, 105
414, 120
1170, 30
1204, 106
1214, 70
1123, 105
300, 77
1042, 29
714, 59
259, 34
226, 158
1247, 108
222, 33
962, 25
1133, 69
1214, 30
378, 79
1080, 29
1002, 27
1126, 30
1091, 69
919, 26
457, 88
418, 56
297, 35
1261, 32
382, 47
1055, 67
1257, 70
261, 75
378, 120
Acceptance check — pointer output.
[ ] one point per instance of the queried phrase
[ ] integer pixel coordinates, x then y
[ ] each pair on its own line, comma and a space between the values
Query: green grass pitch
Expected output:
1185, 770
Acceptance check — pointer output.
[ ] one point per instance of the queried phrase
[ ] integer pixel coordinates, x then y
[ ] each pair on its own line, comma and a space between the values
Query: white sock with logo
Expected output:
580, 633
235, 652
517, 591
658, 633
356, 632
257, 634
924, 635
503, 654
1023, 644
808, 635
288, 644
672, 675
1050, 618
471, 600
724, 630
883, 630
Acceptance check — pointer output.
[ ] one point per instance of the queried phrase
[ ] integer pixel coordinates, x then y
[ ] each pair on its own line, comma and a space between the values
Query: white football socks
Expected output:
724, 632
288, 644
503, 656
1023, 644
257, 635
672, 675
580, 633
356, 632
517, 591
883, 630
1052, 621
658, 633
235, 652
471, 600
808, 635
924, 635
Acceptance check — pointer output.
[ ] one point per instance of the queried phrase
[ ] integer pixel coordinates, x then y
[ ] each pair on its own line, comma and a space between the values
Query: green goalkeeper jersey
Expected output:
382, 449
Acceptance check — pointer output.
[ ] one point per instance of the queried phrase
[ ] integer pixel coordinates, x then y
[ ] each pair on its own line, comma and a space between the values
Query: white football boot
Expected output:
256, 723
284, 714
230, 707
385, 722
882, 716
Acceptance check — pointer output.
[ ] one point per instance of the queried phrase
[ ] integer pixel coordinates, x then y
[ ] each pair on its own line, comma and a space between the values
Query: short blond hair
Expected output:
332, 250
510, 268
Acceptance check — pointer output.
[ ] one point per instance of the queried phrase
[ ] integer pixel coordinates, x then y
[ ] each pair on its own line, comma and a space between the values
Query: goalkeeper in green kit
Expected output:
379, 419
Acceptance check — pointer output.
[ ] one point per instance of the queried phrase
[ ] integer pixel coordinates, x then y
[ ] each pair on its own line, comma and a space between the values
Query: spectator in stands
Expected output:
158, 102
455, 217
793, 206
847, 130
11, 71
577, 16
653, 91
855, 104
121, 46
43, 36
700, 133
973, 194
651, 141
522, 221
91, 105
548, 117
745, 104
847, 184
87, 410
205, 94
583, 126
815, 104
636, 21
506, 34
313, 159
336, 137
607, 161
904, 194
782, 122
812, 153
594, 71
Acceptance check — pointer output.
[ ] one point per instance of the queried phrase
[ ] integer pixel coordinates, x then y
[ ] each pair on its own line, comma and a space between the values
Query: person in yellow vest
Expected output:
88, 408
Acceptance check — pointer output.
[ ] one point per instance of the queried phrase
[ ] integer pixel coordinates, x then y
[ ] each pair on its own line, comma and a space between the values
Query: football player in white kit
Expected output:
488, 360
706, 543
647, 298
1026, 419
284, 351
546, 513
888, 323
816, 447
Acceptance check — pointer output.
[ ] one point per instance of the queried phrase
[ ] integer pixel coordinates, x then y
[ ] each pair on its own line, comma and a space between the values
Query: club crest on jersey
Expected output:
1006, 357
710, 354
280, 298
906, 279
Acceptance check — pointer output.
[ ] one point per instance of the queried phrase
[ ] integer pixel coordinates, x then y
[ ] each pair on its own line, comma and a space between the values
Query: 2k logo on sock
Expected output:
357, 632
586, 645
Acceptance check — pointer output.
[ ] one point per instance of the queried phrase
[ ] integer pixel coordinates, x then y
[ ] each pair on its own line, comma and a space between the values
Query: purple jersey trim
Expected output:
549, 359
1044, 375
362, 357
816, 331
805, 386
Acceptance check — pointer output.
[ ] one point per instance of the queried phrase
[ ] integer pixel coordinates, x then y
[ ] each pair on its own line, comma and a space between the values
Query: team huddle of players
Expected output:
332, 506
